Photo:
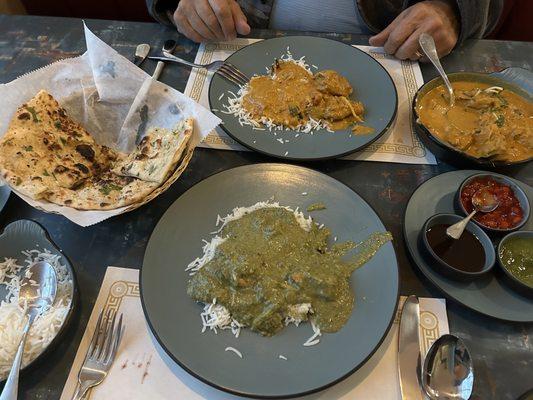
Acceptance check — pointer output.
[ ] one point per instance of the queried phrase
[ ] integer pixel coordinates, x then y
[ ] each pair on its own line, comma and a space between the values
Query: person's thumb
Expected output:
241, 23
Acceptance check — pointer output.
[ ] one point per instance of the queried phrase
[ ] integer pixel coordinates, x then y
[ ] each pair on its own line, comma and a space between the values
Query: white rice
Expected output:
313, 340
12, 319
233, 349
215, 316
234, 106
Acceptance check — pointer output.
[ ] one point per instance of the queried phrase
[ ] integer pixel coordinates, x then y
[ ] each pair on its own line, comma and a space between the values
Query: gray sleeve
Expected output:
158, 9
478, 17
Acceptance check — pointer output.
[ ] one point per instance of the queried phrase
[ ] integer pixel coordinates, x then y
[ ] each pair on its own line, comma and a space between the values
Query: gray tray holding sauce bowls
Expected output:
174, 319
24, 235
515, 79
372, 85
489, 294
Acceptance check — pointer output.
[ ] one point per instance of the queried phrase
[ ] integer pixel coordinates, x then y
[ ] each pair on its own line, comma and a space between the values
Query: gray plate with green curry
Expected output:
174, 318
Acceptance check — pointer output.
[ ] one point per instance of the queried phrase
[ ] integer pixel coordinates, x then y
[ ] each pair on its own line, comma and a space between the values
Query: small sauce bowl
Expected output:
514, 282
501, 179
443, 267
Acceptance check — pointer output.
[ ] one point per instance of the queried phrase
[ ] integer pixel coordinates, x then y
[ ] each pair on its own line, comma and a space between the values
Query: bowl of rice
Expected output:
22, 244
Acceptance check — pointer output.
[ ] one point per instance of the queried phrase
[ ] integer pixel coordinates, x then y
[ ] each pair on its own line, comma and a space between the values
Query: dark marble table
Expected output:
503, 352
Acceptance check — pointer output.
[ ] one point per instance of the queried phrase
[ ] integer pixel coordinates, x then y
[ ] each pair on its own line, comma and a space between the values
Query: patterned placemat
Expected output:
143, 371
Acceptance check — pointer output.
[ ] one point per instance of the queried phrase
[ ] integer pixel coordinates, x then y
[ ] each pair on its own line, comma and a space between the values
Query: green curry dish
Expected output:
268, 267
316, 207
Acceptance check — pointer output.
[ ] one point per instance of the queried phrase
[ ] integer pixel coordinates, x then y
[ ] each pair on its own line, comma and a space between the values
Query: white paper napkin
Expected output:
399, 145
143, 371
112, 98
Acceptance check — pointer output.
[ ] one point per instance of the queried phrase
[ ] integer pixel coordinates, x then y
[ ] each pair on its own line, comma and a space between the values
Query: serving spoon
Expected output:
427, 44
448, 371
37, 292
483, 200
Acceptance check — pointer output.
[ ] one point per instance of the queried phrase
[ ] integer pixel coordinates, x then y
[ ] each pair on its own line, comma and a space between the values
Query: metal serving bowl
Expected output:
517, 80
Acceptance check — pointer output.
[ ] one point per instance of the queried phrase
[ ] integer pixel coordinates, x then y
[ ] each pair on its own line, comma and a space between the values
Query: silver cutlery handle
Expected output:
81, 390
158, 69
10, 391
181, 60
427, 44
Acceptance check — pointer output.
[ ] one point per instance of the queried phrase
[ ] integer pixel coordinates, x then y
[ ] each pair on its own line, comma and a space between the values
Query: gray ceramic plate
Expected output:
488, 295
371, 82
4, 195
175, 319
24, 235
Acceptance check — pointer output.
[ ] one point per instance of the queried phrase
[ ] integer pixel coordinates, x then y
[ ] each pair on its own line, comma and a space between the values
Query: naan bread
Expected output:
46, 155
157, 154
105, 192
44, 149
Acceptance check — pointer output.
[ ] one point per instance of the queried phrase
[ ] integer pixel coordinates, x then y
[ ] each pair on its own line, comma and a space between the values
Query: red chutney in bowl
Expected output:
508, 214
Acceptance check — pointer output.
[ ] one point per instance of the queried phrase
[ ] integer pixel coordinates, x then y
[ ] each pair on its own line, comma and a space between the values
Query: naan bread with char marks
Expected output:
47, 155
157, 154
105, 192
44, 149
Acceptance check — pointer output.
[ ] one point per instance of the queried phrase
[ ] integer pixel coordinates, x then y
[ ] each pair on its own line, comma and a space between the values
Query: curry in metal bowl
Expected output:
489, 123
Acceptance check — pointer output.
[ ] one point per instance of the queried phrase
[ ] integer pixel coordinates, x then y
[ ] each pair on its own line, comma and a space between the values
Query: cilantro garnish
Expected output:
108, 187
28, 148
33, 113
500, 120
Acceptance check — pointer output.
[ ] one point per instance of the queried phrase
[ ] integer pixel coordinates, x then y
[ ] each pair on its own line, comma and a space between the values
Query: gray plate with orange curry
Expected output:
174, 318
372, 86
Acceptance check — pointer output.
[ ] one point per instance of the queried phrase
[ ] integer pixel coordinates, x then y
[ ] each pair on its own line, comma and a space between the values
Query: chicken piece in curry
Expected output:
291, 95
485, 121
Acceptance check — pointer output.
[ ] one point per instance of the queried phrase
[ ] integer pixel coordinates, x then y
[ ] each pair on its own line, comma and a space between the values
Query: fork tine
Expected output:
117, 338
103, 337
109, 339
228, 77
227, 69
231, 72
96, 334
238, 71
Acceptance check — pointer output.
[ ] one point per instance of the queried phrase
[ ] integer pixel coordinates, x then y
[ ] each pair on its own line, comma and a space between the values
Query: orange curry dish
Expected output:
292, 97
485, 121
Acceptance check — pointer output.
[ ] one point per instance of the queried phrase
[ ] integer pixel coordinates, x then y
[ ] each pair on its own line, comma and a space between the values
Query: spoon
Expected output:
168, 47
141, 52
448, 371
427, 44
483, 200
37, 292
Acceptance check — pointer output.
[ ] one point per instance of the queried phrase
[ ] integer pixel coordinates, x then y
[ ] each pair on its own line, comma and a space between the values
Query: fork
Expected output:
224, 69
101, 354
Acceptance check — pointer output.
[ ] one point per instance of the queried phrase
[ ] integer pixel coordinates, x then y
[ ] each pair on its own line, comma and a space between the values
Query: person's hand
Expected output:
206, 20
436, 17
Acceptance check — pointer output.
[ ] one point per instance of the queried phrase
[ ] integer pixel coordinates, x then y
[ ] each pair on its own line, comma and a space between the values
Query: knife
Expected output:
141, 52
409, 350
